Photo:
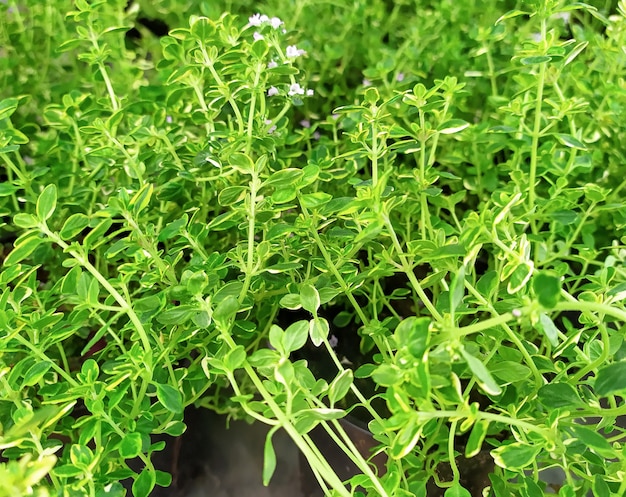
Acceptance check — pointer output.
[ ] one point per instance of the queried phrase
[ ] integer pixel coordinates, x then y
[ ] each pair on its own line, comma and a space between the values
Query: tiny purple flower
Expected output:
366, 82
316, 135
168, 119
333, 341
272, 64
400, 76
257, 36
272, 128
305, 123
272, 91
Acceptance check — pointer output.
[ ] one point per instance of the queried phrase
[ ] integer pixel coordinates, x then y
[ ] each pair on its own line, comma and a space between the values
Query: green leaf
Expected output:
511, 14
285, 194
295, 336
600, 487
46, 203
610, 379
406, 439
515, 456
309, 298
547, 287
235, 358
96, 236
283, 178
482, 373
315, 200
276, 336
7, 107
22, 250
558, 395
323, 413
570, 141
7, 189
36, 372
413, 334
177, 315
144, 483
549, 329
565, 217
147, 304
24, 220
173, 228
284, 372
202, 29
594, 441
232, 195
130, 446
387, 375
141, 199
73, 226
225, 311
318, 330
269, 457
456, 490
241, 163
537, 59
520, 276
510, 371
453, 126
340, 386
575, 52
170, 397
457, 289
476, 438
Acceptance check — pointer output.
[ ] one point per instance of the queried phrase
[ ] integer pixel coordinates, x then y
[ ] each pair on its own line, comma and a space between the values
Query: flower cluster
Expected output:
294, 89
260, 19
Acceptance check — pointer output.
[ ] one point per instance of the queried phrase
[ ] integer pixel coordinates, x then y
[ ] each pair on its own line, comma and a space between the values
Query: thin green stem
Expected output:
319, 462
536, 134
249, 271
408, 270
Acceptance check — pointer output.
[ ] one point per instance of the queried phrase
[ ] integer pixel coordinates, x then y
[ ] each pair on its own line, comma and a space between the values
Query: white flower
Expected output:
309, 93
257, 36
295, 89
258, 19
316, 135
305, 123
272, 64
272, 128
293, 51
400, 76
272, 91
275, 22
366, 82
333, 341
564, 16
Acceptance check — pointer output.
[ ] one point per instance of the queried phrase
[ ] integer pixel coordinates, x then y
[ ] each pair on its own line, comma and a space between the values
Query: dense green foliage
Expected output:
441, 182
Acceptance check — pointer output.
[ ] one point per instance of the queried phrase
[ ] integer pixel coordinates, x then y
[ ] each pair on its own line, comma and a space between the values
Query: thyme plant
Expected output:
187, 214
